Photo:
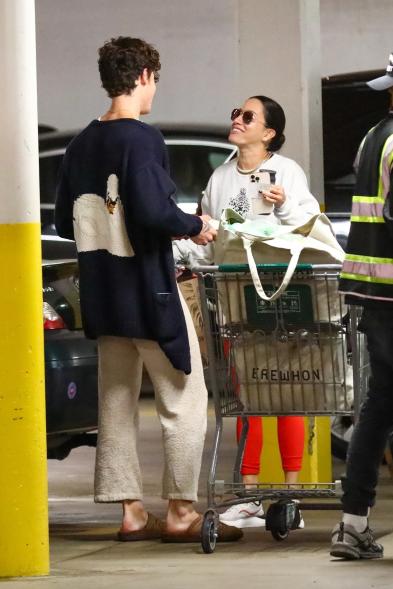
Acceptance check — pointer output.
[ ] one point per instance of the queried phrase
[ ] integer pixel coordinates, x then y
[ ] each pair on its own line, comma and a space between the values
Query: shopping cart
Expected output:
289, 357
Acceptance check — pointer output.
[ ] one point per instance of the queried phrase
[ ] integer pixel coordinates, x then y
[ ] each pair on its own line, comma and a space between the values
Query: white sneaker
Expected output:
244, 515
301, 522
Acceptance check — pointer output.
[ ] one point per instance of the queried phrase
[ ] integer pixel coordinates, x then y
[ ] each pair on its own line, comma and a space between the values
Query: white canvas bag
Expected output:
292, 375
256, 241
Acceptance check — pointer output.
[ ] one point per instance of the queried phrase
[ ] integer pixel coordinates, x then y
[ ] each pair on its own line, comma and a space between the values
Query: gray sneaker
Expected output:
352, 545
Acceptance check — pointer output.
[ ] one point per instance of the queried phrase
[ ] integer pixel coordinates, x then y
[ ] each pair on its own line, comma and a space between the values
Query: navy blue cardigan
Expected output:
132, 294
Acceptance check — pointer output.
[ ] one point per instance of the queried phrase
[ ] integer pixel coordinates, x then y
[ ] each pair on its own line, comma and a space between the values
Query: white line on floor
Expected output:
81, 498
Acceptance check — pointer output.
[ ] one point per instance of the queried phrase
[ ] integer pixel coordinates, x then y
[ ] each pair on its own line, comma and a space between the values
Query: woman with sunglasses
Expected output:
258, 131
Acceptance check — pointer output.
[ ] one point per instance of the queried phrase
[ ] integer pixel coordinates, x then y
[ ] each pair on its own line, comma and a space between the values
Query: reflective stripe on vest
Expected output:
368, 266
383, 155
368, 269
367, 209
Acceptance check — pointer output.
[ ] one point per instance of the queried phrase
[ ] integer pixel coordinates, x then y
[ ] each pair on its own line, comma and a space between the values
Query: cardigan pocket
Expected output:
162, 297
165, 320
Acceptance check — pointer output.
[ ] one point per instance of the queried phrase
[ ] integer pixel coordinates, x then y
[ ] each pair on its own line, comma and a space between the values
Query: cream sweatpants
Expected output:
181, 403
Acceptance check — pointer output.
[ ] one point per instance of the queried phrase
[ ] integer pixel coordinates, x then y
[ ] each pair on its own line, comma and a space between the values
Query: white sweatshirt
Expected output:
228, 188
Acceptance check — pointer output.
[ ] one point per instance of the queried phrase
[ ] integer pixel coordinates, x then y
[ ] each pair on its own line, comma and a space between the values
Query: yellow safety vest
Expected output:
367, 271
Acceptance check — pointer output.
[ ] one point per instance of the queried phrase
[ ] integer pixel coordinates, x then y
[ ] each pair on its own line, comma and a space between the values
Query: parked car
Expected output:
194, 153
71, 359
70, 363
350, 108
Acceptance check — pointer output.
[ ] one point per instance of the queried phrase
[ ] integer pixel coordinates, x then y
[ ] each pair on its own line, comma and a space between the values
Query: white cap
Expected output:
386, 81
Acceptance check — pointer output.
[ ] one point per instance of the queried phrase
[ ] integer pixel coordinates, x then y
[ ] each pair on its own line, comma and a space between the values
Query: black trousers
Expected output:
376, 416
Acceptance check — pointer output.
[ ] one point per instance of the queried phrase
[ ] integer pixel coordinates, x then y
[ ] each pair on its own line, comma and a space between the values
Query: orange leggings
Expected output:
290, 430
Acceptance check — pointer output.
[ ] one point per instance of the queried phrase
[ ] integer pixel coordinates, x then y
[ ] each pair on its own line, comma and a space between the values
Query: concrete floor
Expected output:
85, 554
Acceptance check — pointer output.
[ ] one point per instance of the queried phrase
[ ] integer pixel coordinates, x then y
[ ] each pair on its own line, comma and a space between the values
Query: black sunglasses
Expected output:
248, 116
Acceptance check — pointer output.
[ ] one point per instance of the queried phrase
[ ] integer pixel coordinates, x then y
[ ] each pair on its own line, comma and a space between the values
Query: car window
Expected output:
339, 192
349, 109
49, 170
216, 158
192, 165
191, 161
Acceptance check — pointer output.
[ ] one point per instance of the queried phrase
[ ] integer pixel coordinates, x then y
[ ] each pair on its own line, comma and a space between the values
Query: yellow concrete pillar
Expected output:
23, 479
317, 462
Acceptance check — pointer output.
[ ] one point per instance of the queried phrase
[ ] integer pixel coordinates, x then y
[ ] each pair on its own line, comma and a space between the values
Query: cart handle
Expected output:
262, 267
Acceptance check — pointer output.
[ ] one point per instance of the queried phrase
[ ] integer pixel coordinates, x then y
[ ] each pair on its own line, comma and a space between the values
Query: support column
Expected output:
23, 479
279, 56
317, 457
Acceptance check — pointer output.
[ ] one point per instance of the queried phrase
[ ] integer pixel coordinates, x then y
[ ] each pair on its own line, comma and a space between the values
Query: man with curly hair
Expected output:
115, 198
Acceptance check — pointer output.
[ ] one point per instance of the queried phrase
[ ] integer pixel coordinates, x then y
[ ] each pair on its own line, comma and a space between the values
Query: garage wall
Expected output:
213, 55
197, 41
355, 34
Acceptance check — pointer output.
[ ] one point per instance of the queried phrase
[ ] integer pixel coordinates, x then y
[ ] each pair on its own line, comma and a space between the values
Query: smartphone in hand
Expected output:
262, 181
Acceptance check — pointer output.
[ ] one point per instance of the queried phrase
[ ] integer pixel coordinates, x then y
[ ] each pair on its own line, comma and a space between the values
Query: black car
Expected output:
349, 109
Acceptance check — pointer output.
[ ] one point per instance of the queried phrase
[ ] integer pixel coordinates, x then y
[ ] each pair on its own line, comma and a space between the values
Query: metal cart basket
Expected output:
288, 357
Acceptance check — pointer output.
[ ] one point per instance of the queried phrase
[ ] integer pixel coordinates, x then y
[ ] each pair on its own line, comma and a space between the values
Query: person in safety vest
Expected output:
367, 280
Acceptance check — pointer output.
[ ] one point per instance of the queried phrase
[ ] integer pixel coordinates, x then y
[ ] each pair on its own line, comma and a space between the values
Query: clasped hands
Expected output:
207, 234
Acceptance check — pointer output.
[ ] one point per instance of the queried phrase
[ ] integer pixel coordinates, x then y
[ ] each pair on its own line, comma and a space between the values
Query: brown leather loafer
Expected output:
152, 531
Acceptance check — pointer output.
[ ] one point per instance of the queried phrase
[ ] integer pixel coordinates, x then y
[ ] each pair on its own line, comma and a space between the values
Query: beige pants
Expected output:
181, 402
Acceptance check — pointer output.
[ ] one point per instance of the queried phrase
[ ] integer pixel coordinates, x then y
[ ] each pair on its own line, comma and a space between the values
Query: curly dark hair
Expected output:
122, 60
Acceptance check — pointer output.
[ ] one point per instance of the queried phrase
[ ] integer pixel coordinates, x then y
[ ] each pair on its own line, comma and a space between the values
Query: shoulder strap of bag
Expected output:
255, 276
317, 234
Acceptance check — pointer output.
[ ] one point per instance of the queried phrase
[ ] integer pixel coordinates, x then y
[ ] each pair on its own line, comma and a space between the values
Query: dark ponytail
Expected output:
275, 119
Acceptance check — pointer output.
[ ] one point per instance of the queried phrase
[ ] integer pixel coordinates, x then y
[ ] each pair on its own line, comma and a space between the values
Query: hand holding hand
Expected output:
207, 234
275, 195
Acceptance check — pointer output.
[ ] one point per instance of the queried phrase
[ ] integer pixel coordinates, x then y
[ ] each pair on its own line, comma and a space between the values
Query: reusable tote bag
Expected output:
256, 241
300, 373
278, 371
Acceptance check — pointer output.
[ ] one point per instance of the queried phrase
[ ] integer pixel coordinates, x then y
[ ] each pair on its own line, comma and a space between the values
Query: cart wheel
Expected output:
277, 521
279, 535
209, 534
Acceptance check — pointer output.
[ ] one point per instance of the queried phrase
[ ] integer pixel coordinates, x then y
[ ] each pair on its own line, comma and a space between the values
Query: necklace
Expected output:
242, 171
